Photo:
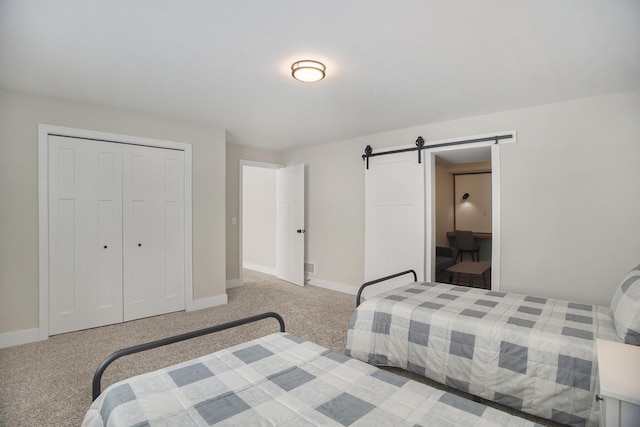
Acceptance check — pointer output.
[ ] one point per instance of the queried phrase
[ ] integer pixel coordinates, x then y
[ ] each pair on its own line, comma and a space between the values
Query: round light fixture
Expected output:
308, 71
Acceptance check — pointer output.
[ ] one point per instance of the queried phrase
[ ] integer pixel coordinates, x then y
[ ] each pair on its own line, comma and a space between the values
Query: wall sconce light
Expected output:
465, 196
308, 71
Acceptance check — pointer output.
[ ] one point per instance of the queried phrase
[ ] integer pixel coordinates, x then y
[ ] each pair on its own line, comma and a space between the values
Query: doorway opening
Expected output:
257, 218
278, 212
464, 195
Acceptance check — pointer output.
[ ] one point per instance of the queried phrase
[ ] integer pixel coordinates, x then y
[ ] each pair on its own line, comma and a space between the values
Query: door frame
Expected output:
430, 189
244, 163
44, 130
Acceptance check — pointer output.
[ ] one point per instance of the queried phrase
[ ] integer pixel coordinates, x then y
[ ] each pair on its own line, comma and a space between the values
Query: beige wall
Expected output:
20, 115
568, 187
473, 213
334, 209
569, 211
444, 204
444, 195
234, 154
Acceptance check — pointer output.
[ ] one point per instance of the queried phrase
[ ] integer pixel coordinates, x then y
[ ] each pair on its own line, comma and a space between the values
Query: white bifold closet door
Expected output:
394, 219
116, 232
153, 231
85, 234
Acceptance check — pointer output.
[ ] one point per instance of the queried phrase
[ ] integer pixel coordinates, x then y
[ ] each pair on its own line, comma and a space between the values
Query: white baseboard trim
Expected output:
9, 339
259, 268
233, 283
333, 286
199, 304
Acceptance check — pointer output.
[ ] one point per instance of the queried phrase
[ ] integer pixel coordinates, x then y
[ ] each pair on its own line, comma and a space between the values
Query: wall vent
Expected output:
310, 267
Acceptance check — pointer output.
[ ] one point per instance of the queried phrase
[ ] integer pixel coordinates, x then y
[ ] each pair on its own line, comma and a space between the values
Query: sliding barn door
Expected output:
394, 218
85, 238
153, 231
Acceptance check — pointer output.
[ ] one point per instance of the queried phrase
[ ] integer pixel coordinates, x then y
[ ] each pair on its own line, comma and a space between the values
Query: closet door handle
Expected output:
139, 244
105, 246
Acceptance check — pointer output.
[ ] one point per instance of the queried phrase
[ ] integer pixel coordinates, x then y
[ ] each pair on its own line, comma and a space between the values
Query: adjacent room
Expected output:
459, 175
436, 199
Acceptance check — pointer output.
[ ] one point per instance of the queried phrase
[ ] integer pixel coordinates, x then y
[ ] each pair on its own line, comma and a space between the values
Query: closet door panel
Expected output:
105, 229
173, 237
67, 263
153, 231
144, 251
173, 226
108, 257
85, 219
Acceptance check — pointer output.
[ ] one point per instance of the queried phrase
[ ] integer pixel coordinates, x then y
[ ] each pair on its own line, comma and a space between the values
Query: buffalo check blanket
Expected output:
283, 380
534, 354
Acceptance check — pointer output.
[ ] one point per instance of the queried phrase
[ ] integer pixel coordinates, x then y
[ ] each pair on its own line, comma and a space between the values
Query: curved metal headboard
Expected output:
97, 377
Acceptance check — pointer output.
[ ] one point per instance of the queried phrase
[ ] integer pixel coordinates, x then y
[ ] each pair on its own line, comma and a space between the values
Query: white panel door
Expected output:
85, 239
290, 224
394, 218
153, 231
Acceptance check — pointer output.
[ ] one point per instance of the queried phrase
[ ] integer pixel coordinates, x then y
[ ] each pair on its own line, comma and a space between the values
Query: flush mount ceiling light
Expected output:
308, 71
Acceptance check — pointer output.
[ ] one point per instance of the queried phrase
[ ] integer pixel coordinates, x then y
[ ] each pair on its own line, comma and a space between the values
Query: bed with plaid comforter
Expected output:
534, 354
282, 380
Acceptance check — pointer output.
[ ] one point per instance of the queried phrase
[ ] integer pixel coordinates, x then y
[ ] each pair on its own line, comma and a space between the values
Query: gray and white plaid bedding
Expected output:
534, 354
283, 380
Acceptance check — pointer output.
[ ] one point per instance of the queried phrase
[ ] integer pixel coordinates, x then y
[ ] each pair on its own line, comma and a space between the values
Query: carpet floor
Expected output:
48, 383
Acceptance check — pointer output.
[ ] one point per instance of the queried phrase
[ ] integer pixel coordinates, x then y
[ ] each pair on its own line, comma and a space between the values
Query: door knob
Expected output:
139, 244
300, 231
105, 246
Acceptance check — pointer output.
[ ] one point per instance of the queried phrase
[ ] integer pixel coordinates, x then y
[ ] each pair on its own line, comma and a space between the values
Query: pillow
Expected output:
625, 308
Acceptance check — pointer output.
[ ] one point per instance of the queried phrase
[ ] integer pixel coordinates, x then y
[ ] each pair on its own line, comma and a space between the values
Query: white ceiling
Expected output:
390, 64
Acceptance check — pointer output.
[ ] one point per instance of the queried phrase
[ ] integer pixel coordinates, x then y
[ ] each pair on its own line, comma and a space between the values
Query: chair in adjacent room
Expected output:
445, 258
465, 242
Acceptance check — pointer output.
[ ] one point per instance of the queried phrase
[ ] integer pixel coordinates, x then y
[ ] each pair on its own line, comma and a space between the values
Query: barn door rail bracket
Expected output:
420, 145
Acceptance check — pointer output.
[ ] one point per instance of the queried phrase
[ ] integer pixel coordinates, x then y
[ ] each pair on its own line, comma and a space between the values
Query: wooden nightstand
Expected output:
619, 371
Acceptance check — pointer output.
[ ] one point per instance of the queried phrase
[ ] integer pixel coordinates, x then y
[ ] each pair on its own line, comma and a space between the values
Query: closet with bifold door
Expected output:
116, 232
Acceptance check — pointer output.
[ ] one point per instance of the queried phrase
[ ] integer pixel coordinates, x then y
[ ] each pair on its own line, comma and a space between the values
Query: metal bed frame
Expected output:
382, 279
97, 377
